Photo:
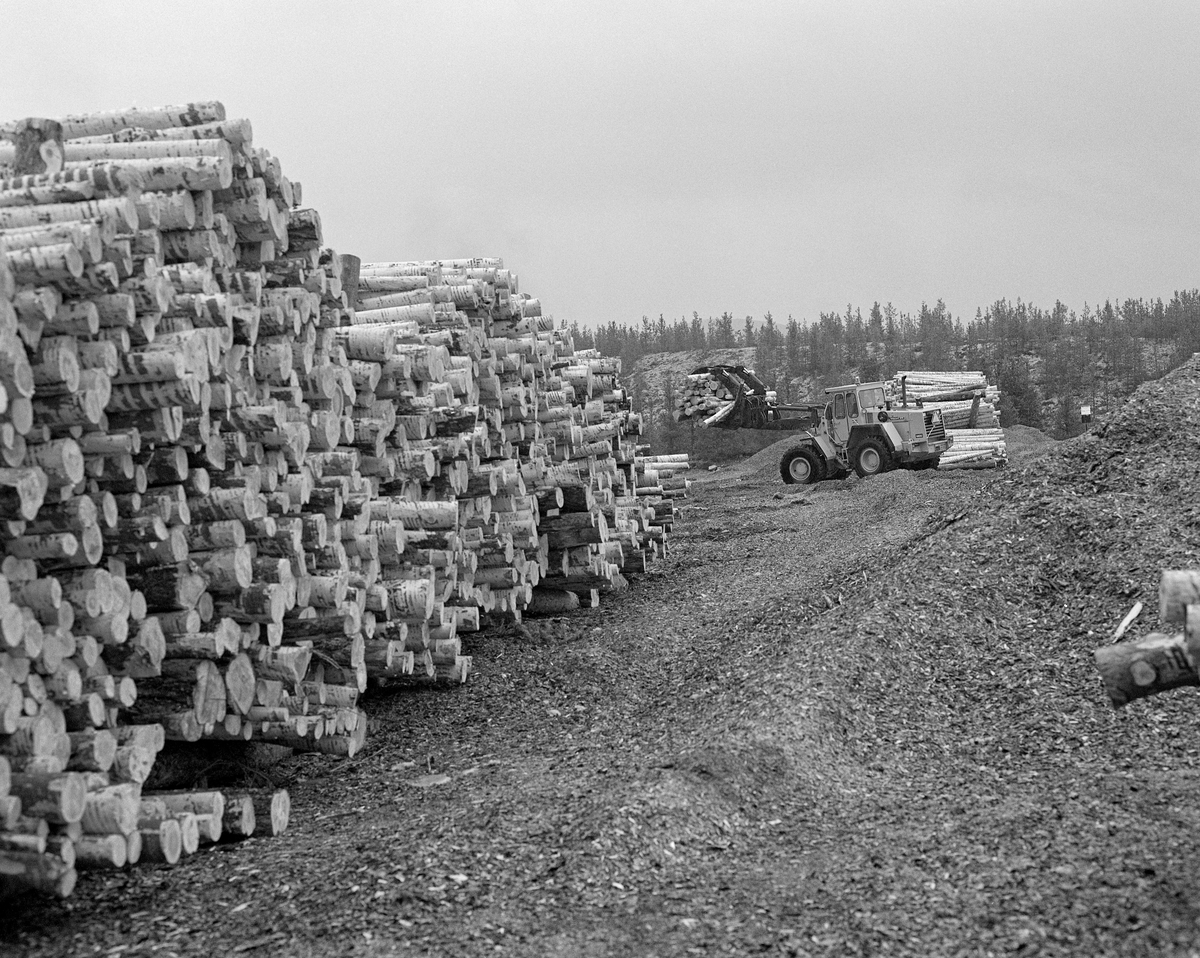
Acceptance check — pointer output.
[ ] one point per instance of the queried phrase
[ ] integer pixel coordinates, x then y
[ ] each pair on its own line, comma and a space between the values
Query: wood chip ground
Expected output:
853, 719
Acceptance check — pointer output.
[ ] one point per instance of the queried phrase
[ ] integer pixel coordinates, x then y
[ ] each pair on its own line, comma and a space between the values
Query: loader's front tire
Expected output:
870, 458
800, 466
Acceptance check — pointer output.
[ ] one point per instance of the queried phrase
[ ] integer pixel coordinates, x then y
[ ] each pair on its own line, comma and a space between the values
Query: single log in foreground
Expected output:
1159, 661
1155, 663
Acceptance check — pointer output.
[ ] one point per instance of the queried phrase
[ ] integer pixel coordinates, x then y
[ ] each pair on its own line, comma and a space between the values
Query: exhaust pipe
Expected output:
904, 391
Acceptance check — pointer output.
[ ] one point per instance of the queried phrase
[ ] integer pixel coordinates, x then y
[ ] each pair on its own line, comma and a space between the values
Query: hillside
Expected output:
654, 371
653, 380
1046, 365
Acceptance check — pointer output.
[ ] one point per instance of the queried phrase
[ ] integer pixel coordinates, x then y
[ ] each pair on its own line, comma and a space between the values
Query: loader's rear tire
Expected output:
870, 458
800, 466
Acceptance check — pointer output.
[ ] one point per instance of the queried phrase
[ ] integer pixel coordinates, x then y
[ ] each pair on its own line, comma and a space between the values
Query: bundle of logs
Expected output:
968, 405
705, 398
701, 396
1162, 660
244, 477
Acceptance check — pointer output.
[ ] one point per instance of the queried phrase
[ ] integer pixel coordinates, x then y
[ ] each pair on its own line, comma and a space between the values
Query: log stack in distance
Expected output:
968, 404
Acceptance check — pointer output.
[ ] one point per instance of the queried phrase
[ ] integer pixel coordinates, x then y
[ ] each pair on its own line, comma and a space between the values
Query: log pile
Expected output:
244, 476
59, 823
707, 399
1162, 660
968, 405
533, 441
661, 480
145, 360
701, 396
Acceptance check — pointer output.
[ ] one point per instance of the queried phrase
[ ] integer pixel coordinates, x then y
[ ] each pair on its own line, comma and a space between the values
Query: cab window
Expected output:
870, 398
852, 405
839, 406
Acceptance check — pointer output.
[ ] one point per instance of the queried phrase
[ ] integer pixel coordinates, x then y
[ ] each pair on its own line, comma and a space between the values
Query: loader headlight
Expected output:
883, 416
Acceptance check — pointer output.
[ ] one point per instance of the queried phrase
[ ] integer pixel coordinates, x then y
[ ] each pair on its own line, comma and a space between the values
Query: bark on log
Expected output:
272, 808
112, 810
239, 820
47, 874
58, 798
162, 842
37, 146
101, 851
75, 126
1156, 663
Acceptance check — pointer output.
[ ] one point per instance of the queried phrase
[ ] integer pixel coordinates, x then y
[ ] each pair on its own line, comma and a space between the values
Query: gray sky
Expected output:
637, 158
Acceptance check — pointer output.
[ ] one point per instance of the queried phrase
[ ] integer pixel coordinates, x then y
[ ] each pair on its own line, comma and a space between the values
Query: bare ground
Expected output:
851, 719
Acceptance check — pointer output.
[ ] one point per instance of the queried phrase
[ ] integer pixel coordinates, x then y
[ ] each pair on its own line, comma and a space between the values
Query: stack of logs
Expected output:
528, 436
707, 399
1161, 660
51, 825
968, 405
701, 396
242, 476
659, 476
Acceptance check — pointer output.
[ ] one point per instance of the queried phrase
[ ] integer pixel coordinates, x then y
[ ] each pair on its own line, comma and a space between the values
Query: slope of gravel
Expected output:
857, 718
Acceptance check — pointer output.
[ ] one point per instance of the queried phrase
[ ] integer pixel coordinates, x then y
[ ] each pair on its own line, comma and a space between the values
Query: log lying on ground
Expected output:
1154, 663
1159, 661
272, 808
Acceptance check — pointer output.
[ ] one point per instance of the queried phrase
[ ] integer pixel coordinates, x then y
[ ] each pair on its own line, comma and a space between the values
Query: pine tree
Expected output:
875, 324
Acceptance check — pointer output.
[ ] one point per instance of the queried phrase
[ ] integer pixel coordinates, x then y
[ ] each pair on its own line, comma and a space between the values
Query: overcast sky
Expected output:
637, 158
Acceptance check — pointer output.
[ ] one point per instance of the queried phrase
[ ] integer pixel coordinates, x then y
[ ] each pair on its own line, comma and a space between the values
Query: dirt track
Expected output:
852, 719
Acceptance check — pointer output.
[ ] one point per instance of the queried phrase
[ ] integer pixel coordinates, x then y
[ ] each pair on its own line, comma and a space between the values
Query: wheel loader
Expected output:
856, 427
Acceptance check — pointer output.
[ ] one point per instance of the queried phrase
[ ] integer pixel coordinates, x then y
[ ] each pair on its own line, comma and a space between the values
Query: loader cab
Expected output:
857, 404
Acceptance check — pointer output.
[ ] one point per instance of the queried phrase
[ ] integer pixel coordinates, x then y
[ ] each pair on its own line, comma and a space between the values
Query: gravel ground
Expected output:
852, 719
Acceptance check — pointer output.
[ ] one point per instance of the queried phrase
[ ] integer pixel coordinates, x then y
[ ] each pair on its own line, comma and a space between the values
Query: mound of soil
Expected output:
1025, 441
765, 462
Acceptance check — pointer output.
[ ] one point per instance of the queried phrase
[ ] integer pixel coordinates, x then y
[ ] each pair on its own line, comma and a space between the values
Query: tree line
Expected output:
1046, 361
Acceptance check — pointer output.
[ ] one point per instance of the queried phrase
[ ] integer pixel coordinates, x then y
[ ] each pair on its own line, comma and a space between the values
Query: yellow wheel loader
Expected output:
856, 427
